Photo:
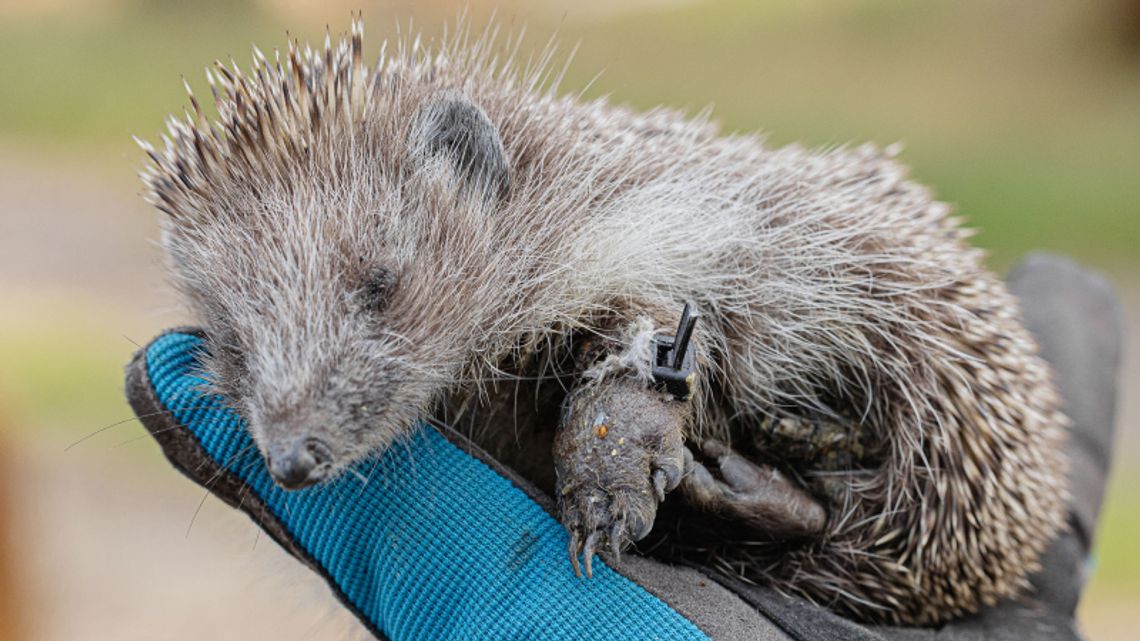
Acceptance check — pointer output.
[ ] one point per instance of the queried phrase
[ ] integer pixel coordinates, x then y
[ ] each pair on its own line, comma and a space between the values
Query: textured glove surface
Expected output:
424, 542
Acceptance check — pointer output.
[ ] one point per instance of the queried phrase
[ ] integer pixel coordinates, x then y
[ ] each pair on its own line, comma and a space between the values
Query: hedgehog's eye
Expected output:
377, 290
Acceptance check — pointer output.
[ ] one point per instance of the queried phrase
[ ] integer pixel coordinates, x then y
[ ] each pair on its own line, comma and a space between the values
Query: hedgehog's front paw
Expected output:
760, 496
619, 449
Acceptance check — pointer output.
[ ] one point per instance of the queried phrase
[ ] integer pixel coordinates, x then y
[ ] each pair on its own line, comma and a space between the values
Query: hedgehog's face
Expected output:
338, 314
323, 371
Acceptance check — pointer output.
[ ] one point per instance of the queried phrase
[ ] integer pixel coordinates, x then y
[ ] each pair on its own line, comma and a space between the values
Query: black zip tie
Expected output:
673, 368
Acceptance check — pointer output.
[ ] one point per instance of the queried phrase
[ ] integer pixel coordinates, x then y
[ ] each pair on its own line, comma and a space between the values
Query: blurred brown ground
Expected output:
105, 541
12, 598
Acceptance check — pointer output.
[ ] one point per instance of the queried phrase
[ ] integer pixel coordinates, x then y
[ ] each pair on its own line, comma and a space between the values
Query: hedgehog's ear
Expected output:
452, 126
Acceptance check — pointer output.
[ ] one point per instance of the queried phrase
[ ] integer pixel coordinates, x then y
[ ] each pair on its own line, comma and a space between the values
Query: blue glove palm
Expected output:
423, 542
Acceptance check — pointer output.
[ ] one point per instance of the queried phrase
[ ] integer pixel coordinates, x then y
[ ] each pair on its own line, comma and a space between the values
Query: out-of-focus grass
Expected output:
1108, 604
1117, 561
1033, 133
61, 371
103, 76
1031, 129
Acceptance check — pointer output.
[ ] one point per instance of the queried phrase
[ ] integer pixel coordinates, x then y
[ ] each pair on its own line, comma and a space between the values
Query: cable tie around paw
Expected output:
674, 366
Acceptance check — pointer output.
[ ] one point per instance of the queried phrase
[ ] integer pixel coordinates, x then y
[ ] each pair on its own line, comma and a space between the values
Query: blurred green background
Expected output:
1024, 114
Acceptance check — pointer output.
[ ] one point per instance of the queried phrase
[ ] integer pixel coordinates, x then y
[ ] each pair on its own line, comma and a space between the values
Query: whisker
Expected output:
214, 479
368, 479
205, 495
355, 472
172, 428
124, 421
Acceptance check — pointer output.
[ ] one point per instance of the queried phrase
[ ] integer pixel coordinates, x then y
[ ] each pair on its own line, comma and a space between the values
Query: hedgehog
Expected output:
784, 364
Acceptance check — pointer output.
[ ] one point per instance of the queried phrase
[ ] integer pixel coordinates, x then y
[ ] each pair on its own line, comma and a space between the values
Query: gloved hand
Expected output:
434, 540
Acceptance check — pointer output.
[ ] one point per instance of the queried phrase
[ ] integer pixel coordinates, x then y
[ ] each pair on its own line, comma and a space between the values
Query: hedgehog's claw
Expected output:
588, 552
660, 484
614, 537
574, 547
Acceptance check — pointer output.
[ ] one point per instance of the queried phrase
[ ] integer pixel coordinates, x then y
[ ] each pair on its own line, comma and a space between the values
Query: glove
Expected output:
433, 539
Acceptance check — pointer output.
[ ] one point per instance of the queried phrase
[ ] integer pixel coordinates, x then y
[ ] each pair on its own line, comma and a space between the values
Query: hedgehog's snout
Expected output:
298, 462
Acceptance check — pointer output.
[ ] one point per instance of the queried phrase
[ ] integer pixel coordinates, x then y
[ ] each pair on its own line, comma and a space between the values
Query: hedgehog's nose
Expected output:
298, 463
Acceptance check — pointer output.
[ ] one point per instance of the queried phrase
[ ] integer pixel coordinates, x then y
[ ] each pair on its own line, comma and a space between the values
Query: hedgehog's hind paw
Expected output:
757, 495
